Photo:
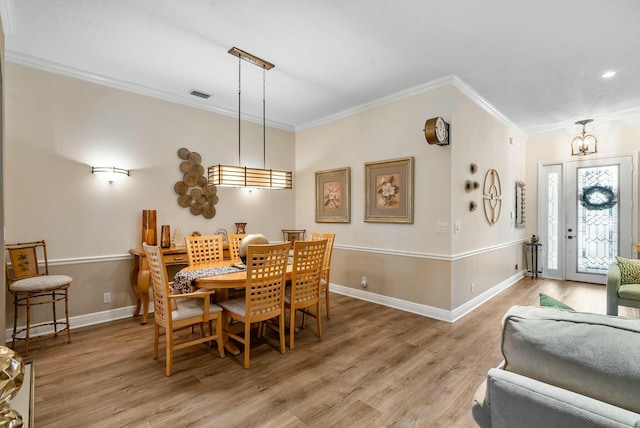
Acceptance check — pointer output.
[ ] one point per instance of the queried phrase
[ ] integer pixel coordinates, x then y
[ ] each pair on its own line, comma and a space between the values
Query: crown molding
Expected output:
8, 17
398, 96
487, 106
617, 119
450, 80
186, 100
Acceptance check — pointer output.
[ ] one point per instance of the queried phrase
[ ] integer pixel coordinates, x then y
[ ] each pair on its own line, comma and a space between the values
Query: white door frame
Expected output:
561, 168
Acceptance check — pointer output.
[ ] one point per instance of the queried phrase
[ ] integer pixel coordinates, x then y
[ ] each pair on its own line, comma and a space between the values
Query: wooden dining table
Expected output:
221, 283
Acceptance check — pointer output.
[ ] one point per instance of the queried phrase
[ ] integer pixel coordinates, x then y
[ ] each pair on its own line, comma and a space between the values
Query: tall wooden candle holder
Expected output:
149, 228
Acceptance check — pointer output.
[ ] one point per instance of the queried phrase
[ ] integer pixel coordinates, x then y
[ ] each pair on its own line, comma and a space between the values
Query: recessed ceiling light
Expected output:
609, 74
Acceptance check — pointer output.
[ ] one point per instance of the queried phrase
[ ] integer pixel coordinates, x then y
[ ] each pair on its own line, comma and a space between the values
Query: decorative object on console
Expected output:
165, 236
333, 200
584, 144
436, 131
492, 196
241, 228
178, 239
11, 377
222, 232
149, 229
194, 190
520, 205
110, 171
237, 176
389, 191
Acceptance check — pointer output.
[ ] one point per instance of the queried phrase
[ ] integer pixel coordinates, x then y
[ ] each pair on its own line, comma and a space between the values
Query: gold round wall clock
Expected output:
436, 131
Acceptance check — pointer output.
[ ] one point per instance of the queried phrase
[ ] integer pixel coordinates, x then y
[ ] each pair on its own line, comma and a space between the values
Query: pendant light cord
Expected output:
239, 92
264, 121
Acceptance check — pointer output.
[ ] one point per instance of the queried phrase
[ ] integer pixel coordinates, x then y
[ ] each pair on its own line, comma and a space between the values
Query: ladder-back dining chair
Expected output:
204, 249
293, 235
234, 240
173, 312
304, 292
326, 270
32, 286
264, 294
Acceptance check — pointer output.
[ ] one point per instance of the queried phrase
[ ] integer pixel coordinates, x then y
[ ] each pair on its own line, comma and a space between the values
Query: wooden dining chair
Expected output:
293, 235
326, 269
234, 240
204, 249
173, 312
264, 294
304, 292
31, 286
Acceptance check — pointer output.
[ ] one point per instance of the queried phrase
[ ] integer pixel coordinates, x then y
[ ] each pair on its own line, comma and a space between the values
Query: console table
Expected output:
139, 276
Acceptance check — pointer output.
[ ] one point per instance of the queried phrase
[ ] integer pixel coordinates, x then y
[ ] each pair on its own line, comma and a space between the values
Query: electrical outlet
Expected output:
473, 287
107, 297
363, 282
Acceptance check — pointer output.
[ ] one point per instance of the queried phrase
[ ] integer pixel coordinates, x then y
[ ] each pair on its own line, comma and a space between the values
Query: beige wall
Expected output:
58, 127
413, 262
2, 139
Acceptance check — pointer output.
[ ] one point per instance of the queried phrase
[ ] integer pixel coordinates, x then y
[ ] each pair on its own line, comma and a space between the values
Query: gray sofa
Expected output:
563, 369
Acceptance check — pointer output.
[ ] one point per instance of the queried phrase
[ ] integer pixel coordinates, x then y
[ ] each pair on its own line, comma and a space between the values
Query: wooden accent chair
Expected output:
304, 293
31, 286
293, 235
204, 249
234, 240
326, 270
264, 293
176, 311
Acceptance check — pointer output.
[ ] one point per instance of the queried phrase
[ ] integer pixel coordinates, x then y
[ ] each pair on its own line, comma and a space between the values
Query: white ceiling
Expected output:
539, 62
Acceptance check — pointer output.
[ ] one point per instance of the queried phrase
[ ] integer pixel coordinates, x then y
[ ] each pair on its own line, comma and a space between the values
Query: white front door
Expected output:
585, 216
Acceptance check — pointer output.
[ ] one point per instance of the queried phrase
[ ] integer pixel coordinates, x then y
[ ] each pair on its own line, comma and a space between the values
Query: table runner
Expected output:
182, 281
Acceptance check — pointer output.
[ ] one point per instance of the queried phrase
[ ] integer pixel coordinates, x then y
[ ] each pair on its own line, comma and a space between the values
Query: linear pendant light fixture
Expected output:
239, 176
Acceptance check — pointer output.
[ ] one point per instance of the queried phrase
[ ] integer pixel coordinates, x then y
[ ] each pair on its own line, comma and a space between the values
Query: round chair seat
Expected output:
40, 283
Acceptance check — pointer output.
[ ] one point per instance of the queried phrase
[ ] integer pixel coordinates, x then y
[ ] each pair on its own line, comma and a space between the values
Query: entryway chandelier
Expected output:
239, 176
584, 144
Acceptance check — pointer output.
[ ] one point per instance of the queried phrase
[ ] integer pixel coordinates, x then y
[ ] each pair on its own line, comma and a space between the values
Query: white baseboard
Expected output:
403, 305
425, 310
85, 320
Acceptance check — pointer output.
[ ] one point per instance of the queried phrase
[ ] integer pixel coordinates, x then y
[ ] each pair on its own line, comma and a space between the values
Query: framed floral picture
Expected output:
389, 191
333, 201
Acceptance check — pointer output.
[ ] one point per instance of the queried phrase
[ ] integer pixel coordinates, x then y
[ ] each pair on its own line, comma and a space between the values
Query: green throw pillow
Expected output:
552, 303
629, 270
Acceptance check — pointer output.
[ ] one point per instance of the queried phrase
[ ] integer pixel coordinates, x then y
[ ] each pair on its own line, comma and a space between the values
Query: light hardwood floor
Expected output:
374, 367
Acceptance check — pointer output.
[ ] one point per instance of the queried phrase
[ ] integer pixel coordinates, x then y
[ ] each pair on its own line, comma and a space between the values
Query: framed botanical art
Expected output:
389, 191
333, 200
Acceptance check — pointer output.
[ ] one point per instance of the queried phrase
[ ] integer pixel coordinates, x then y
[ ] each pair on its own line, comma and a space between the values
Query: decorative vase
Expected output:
240, 228
11, 377
165, 236
149, 229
